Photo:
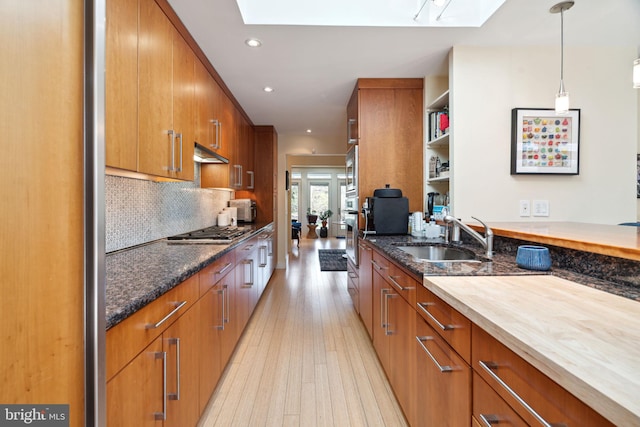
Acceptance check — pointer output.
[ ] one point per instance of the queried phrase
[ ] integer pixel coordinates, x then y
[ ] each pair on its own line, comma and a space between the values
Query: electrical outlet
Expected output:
540, 208
525, 208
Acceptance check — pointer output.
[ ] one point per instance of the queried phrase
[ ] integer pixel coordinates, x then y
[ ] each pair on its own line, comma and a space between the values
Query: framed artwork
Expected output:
543, 142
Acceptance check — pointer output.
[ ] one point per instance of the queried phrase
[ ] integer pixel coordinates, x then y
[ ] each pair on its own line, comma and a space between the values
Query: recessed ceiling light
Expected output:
253, 42
268, 89
308, 130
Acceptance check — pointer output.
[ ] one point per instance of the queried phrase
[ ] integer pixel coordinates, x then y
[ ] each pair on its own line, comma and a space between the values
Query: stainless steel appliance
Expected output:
246, 209
210, 235
351, 172
351, 220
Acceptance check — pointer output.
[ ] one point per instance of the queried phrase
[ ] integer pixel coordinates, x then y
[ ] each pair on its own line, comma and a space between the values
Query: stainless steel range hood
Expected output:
202, 154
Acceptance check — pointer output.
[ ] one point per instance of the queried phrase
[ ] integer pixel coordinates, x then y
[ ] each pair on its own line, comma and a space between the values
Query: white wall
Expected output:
486, 83
299, 145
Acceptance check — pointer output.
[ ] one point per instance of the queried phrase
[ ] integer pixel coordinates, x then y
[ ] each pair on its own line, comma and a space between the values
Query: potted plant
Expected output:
324, 216
312, 217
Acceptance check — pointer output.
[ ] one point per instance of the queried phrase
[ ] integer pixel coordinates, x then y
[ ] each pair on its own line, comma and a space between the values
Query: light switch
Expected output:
540, 208
525, 208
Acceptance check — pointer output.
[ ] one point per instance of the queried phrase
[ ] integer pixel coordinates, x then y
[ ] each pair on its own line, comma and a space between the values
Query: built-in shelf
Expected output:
439, 103
441, 141
439, 179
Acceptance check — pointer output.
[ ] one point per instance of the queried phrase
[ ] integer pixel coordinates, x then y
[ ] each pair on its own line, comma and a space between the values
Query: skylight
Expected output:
370, 13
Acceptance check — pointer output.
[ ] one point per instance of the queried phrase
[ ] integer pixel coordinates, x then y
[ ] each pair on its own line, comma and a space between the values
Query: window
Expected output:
319, 196
295, 197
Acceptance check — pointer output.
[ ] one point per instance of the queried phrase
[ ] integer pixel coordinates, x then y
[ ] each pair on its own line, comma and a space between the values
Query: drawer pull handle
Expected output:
398, 285
489, 420
353, 275
423, 306
163, 415
378, 266
383, 308
223, 269
165, 318
443, 369
489, 367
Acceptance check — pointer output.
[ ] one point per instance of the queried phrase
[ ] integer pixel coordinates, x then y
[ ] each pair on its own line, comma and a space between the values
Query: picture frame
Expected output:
638, 173
545, 143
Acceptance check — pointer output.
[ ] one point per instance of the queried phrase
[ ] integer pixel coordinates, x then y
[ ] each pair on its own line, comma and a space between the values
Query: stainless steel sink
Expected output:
436, 253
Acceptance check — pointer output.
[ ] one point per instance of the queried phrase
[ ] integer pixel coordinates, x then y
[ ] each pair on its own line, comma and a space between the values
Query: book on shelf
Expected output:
438, 124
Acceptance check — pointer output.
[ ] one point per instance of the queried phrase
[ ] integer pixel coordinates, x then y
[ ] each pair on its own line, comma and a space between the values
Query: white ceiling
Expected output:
313, 69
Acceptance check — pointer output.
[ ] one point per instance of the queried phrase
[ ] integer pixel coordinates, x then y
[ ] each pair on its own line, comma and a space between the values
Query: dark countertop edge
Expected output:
117, 316
504, 264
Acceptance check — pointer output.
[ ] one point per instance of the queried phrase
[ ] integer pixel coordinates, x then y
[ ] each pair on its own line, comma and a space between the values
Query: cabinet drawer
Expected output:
128, 338
533, 395
211, 274
448, 322
490, 409
402, 282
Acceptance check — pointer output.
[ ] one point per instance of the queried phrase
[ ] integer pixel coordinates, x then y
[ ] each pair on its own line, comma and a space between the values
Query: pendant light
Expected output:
562, 97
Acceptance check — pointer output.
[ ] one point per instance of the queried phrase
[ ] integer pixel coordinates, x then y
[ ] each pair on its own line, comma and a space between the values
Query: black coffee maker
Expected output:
387, 212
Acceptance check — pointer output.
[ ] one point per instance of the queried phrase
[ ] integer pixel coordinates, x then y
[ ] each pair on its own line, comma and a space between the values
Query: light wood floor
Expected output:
305, 358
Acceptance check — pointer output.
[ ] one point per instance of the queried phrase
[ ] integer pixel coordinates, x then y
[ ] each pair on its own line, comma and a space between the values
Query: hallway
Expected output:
305, 358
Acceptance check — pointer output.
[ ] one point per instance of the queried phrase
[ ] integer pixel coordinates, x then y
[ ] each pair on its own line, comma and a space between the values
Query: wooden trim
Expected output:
399, 83
182, 29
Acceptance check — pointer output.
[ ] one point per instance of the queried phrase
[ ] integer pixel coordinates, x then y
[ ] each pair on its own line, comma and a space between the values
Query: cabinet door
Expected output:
208, 108
134, 396
352, 119
401, 330
181, 342
183, 106
381, 295
246, 289
366, 288
489, 408
211, 323
231, 331
443, 380
121, 84
155, 101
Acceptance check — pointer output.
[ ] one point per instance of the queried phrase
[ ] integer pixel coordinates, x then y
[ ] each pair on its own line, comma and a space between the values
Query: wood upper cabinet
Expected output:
208, 96
165, 96
390, 137
352, 119
121, 84
266, 168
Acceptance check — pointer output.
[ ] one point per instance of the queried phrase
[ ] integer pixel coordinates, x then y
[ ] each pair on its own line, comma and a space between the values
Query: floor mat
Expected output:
332, 259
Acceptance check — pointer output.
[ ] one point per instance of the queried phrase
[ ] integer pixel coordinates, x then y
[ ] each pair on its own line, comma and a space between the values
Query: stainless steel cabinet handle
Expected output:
251, 175
248, 247
221, 325
398, 285
350, 140
386, 312
223, 269
376, 265
383, 318
423, 306
248, 262
164, 319
216, 144
442, 368
172, 141
163, 415
263, 264
489, 420
180, 168
489, 367
176, 395
225, 304
237, 179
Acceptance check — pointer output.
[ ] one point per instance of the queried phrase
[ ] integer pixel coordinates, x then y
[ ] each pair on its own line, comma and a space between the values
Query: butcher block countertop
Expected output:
613, 240
586, 340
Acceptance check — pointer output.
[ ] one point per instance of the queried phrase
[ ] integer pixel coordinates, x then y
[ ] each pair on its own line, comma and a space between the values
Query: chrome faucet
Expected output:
487, 241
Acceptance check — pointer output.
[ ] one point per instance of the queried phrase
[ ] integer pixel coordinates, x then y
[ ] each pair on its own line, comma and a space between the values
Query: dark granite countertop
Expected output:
502, 264
139, 275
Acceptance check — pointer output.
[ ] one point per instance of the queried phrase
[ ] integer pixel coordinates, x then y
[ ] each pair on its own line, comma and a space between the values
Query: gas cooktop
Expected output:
210, 235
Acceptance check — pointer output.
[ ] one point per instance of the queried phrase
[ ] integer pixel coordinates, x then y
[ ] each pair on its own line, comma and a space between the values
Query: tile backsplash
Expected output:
139, 211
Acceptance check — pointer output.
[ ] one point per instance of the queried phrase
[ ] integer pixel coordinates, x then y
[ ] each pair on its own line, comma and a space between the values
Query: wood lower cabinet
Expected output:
530, 393
134, 396
211, 323
365, 286
393, 335
489, 408
247, 278
443, 380
353, 284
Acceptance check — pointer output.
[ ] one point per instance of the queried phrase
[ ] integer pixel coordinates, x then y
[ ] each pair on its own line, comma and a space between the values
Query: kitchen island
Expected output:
575, 328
